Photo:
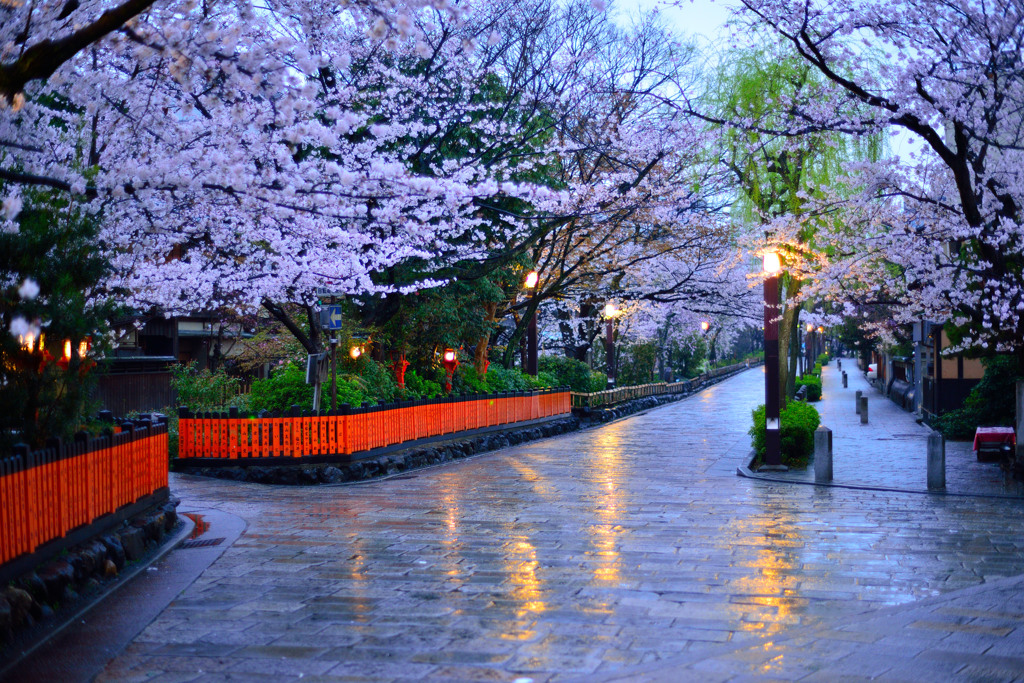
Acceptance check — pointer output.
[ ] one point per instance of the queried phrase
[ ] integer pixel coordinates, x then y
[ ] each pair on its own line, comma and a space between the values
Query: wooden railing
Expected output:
231, 436
612, 396
46, 495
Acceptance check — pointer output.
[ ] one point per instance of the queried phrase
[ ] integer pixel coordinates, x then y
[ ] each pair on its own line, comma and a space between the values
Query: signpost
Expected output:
330, 320
330, 317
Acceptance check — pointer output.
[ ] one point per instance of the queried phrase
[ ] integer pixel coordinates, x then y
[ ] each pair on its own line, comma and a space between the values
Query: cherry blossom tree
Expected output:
939, 234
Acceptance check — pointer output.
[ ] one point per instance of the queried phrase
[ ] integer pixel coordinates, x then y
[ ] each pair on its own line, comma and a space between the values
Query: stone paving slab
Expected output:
964, 635
582, 555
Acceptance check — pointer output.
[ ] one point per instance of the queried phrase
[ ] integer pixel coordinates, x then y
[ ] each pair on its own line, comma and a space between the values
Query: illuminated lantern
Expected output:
450, 360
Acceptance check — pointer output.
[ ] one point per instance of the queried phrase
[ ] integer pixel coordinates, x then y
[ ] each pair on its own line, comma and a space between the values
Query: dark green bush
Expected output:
813, 384
418, 386
467, 380
598, 381
547, 379
502, 379
991, 403
375, 380
285, 387
798, 422
568, 372
202, 390
823, 359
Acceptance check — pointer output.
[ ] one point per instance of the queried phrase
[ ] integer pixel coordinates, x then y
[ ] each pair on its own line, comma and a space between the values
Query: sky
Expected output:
701, 19
704, 20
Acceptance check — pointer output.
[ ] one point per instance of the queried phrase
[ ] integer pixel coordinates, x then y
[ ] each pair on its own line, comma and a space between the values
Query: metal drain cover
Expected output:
201, 543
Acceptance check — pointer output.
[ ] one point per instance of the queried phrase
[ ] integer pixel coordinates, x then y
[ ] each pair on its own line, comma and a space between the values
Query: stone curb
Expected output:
29, 637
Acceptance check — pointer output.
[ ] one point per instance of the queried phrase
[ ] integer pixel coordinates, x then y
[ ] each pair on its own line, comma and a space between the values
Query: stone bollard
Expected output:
863, 410
936, 462
822, 455
1019, 422
857, 400
839, 363
844, 380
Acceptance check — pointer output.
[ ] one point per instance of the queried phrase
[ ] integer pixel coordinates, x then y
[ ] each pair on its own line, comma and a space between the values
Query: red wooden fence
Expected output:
344, 432
46, 494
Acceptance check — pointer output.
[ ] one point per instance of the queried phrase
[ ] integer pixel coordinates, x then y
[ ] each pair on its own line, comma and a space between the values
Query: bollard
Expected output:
863, 410
822, 455
936, 462
839, 363
844, 380
857, 400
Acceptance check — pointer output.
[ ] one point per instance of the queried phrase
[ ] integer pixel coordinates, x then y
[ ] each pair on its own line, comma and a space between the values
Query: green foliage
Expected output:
421, 387
813, 384
686, 360
637, 364
798, 422
202, 390
502, 379
467, 380
991, 403
285, 387
548, 379
598, 381
56, 247
376, 381
823, 359
570, 372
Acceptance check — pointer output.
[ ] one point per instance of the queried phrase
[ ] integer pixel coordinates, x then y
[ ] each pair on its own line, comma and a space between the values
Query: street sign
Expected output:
327, 291
330, 317
318, 366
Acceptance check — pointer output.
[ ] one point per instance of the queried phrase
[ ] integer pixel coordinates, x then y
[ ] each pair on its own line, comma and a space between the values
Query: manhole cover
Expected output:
201, 543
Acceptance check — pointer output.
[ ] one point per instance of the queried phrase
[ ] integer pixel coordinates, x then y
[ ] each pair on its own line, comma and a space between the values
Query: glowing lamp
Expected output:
772, 263
355, 352
821, 329
67, 349
450, 360
609, 310
531, 279
810, 327
704, 325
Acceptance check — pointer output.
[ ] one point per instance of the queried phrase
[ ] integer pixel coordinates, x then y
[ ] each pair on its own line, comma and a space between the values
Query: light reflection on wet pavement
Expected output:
589, 552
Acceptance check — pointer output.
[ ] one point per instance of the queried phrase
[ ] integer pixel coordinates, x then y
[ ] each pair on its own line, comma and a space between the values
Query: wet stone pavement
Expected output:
891, 450
586, 556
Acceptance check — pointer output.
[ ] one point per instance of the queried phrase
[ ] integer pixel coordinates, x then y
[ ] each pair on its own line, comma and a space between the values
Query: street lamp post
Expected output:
809, 353
609, 342
773, 438
531, 330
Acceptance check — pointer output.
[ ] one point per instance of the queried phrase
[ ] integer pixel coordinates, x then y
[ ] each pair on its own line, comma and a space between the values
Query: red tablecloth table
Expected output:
990, 438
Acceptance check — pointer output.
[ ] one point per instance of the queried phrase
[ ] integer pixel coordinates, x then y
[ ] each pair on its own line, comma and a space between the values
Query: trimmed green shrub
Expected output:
547, 379
813, 384
991, 403
598, 381
502, 379
823, 359
285, 387
421, 387
798, 422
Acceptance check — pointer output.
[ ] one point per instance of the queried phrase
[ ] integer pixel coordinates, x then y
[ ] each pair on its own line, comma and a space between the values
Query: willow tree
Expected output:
778, 165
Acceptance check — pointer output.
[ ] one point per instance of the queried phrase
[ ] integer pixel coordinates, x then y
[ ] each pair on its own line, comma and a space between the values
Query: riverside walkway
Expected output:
626, 552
